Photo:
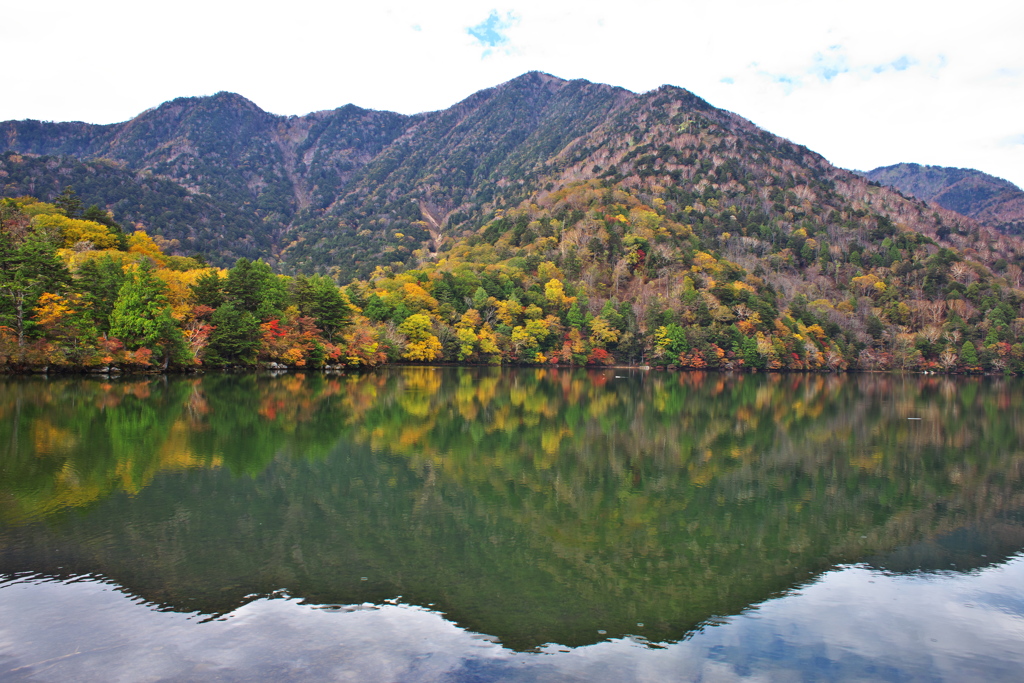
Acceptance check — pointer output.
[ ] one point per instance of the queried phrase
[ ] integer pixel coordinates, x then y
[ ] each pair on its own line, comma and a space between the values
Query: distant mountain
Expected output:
256, 169
347, 190
989, 200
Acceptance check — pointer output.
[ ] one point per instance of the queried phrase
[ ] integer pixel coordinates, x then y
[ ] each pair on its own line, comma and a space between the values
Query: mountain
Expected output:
254, 171
346, 190
991, 201
542, 220
309, 185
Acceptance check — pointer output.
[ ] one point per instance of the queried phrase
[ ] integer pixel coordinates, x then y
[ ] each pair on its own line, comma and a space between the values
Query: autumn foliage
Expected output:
589, 274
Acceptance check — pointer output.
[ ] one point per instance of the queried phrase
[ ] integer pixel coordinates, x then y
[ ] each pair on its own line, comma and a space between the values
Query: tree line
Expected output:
590, 276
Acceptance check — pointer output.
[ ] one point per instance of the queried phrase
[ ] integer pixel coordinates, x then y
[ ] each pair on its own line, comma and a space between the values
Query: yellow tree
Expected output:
554, 291
417, 298
142, 244
488, 341
422, 344
508, 312
470, 319
465, 331
179, 288
65, 320
467, 341
602, 333
523, 343
75, 231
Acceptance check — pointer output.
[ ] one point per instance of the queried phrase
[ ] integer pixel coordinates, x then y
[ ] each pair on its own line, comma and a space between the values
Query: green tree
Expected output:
100, 280
574, 318
29, 266
69, 203
252, 286
320, 299
969, 354
752, 358
612, 315
479, 298
208, 290
142, 315
235, 337
377, 309
671, 341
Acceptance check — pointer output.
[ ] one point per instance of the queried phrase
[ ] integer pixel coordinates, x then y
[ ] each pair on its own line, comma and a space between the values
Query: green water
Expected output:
540, 508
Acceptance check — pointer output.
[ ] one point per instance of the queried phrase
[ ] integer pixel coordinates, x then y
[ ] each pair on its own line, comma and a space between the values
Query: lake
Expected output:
489, 524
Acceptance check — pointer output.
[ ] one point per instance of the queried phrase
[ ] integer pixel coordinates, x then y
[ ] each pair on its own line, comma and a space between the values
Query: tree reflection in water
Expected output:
538, 506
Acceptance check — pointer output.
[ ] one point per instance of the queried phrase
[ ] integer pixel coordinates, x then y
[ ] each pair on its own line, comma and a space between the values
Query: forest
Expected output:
594, 273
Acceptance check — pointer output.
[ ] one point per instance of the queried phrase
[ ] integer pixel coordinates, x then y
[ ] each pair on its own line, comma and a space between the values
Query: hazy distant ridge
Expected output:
990, 200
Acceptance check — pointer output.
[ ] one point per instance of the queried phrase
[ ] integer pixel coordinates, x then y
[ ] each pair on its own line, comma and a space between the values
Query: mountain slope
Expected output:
191, 222
449, 167
257, 168
344, 191
452, 170
991, 201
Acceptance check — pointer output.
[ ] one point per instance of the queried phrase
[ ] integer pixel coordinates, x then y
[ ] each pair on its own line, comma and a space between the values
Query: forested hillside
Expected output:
189, 222
541, 221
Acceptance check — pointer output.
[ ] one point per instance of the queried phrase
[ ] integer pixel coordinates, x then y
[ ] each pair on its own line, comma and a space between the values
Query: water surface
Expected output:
485, 524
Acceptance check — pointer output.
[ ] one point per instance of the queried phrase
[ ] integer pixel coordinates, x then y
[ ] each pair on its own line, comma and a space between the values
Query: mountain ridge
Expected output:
990, 200
329, 190
274, 164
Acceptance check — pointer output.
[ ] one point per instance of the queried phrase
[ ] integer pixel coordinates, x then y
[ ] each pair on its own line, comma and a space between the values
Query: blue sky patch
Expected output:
788, 83
490, 31
901, 63
828, 65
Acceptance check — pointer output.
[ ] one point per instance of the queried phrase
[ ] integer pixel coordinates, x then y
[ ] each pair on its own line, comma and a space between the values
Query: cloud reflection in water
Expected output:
853, 623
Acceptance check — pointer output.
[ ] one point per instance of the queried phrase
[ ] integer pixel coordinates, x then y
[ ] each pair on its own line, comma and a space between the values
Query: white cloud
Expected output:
865, 84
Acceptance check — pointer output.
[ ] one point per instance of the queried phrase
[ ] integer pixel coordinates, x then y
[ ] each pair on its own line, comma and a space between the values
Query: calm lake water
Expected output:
478, 524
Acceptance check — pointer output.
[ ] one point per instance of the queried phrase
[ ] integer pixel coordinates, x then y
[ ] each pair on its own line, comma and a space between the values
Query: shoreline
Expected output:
280, 369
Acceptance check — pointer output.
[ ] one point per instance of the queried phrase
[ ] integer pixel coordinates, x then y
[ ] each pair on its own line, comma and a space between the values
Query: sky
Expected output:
866, 84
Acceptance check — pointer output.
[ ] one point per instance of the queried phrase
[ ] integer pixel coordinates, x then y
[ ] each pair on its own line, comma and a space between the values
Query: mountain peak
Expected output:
220, 101
535, 78
231, 98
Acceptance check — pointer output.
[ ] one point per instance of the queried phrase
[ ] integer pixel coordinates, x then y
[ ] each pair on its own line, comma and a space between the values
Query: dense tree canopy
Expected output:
591, 274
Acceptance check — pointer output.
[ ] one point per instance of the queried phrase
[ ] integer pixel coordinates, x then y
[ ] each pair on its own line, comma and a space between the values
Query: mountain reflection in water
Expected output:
534, 507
